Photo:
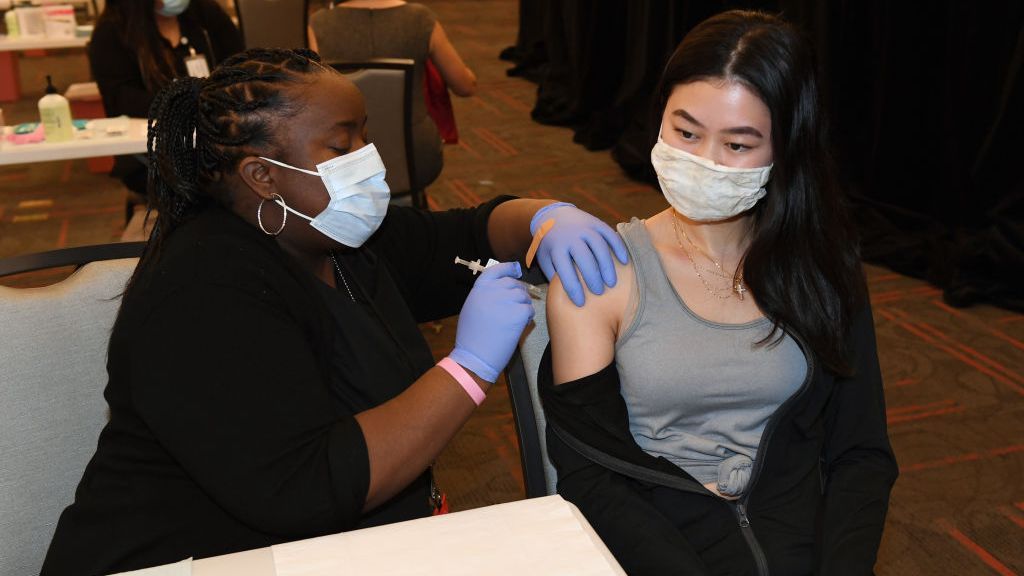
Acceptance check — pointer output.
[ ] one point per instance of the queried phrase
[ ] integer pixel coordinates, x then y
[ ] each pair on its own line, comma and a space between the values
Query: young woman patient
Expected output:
720, 410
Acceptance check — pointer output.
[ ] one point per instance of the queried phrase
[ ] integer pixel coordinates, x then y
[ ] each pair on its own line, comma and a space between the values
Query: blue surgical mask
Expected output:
173, 8
359, 196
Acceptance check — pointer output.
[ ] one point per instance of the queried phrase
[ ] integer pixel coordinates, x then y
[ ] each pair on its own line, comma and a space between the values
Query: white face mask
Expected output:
359, 196
702, 190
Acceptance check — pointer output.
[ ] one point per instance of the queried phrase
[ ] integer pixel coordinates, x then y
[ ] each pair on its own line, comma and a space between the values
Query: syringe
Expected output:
474, 265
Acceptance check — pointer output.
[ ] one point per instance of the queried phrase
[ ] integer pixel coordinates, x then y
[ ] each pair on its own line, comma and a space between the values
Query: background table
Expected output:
10, 88
132, 142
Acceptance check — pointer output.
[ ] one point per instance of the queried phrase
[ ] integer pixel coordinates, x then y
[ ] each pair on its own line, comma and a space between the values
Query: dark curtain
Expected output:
927, 102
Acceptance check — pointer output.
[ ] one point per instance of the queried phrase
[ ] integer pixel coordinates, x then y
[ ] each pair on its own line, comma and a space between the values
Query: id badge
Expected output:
197, 66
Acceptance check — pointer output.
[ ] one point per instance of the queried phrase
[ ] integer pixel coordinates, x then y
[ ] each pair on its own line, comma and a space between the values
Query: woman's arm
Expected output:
421, 246
508, 228
406, 434
456, 74
234, 394
583, 338
859, 463
311, 39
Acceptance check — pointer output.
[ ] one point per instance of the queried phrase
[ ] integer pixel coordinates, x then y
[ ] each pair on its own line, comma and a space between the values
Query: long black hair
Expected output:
135, 22
803, 263
199, 129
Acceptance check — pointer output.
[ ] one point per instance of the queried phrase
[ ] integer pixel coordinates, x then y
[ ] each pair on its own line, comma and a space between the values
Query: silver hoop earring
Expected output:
284, 217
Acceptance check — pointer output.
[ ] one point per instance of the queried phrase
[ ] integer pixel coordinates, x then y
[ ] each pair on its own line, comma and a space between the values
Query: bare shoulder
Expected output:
607, 307
583, 337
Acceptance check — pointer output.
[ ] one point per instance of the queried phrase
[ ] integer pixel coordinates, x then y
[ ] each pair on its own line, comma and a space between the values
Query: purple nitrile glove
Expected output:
493, 317
578, 240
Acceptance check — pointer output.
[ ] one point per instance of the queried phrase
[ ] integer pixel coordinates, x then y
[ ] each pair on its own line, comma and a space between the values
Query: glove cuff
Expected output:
471, 362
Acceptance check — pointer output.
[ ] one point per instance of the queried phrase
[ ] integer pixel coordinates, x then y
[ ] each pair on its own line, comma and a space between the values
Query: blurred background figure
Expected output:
139, 47
359, 30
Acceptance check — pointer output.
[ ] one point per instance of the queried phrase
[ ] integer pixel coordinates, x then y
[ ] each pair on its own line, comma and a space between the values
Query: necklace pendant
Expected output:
739, 289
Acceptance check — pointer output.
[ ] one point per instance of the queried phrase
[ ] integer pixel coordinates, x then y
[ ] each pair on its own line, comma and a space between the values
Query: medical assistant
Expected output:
234, 381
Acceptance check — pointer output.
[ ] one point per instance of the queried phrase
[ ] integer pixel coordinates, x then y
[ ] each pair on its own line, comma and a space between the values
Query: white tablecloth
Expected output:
8, 44
536, 537
132, 142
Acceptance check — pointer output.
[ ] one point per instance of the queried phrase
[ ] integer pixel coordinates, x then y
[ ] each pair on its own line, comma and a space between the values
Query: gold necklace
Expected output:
736, 286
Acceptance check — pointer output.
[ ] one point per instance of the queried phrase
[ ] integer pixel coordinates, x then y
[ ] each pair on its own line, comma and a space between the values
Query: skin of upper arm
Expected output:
311, 38
583, 338
456, 74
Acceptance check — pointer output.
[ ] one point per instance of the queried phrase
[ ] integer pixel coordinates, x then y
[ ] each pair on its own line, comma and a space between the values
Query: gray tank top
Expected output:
699, 393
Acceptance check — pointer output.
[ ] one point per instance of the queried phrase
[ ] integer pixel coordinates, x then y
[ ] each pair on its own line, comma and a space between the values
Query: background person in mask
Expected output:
268, 381
359, 30
139, 47
727, 390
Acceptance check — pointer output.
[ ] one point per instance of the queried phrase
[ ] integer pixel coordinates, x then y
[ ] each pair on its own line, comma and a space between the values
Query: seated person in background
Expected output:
359, 30
720, 411
139, 46
268, 380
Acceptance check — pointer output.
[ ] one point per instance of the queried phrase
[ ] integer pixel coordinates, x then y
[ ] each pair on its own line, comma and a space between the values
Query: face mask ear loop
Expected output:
284, 218
289, 166
292, 210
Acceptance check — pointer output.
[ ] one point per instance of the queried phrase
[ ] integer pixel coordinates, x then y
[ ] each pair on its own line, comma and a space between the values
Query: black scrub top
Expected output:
403, 275
378, 352
235, 378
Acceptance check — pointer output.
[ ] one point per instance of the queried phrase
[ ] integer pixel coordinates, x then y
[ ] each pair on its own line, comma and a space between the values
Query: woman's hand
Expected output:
578, 240
492, 319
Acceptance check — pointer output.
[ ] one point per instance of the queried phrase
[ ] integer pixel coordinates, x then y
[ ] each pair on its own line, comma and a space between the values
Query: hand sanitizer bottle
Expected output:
55, 114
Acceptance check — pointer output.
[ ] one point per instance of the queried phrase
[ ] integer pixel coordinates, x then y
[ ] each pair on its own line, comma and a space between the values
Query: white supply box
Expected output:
60, 21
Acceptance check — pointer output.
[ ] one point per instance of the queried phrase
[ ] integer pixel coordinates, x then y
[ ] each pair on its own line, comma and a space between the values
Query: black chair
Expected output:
521, 375
386, 84
77, 256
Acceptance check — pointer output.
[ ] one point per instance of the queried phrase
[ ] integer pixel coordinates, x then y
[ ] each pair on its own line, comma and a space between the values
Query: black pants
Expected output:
711, 528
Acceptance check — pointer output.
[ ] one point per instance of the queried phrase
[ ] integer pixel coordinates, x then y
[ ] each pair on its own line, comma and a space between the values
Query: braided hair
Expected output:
200, 128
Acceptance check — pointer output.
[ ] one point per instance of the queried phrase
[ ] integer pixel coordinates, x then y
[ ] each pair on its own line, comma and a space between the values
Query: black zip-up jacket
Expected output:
816, 502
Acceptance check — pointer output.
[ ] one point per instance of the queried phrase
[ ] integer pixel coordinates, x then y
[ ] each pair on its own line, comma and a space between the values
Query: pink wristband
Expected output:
462, 377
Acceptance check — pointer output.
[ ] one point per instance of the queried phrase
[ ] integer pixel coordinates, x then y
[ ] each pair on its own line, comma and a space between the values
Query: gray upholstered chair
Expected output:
386, 84
53, 350
538, 473
273, 23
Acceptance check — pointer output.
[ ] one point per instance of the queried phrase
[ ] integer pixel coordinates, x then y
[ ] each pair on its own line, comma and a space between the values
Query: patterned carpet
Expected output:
954, 378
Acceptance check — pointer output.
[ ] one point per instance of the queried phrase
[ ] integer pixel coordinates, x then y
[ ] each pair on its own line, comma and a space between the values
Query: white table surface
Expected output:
536, 537
132, 142
40, 43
